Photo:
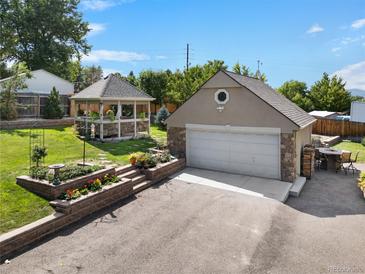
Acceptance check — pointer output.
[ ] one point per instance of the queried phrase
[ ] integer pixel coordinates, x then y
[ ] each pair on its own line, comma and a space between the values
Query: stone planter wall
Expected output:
36, 123
164, 170
49, 191
67, 212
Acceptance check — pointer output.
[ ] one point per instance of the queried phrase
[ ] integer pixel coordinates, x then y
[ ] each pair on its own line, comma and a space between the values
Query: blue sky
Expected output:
293, 39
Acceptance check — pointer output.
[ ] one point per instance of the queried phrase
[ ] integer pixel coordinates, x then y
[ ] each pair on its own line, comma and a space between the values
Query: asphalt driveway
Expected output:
177, 227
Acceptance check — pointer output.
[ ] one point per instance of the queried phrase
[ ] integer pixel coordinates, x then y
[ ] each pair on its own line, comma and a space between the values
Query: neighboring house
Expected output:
114, 107
33, 98
357, 112
323, 114
238, 124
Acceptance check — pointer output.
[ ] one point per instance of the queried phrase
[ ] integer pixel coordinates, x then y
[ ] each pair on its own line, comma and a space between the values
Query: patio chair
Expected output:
320, 160
352, 161
343, 162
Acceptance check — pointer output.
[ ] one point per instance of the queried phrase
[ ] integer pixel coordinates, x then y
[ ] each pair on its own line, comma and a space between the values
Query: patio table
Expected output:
332, 156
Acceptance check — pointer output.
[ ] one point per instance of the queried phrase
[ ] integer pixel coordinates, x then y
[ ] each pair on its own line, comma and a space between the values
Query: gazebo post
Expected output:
119, 114
87, 113
101, 111
135, 119
149, 117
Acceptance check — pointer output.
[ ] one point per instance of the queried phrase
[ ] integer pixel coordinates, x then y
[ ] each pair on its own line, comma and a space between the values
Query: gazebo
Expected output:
112, 108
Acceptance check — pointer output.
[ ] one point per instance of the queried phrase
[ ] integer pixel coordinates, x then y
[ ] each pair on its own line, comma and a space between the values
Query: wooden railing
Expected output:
338, 128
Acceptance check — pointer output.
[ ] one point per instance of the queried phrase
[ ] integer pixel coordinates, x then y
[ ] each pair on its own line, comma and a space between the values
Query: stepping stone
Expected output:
102, 158
101, 154
106, 162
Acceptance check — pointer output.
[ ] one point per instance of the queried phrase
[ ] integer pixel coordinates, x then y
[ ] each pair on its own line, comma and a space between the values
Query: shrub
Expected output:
38, 154
150, 160
52, 109
142, 115
363, 141
70, 172
110, 114
161, 117
164, 157
84, 190
94, 115
39, 173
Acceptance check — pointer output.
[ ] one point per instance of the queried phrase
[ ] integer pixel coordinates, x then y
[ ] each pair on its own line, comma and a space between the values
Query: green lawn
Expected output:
19, 206
354, 148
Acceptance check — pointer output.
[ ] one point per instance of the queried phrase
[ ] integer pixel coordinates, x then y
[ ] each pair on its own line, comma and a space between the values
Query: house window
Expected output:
221, 96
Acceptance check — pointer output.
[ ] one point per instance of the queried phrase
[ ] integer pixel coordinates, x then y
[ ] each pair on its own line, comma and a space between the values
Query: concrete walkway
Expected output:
254, 186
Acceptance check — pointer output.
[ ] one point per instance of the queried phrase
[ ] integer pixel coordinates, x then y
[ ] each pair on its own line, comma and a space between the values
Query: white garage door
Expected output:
249, 151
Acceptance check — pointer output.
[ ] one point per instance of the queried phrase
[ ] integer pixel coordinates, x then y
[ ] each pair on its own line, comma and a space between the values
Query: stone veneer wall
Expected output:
176, 141
111, 129
288, 157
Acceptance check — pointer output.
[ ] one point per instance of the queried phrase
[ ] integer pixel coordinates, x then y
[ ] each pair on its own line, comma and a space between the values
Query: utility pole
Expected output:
187, 57
258, 73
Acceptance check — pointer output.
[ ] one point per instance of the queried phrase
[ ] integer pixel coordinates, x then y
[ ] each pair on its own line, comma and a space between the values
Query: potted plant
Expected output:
110, 114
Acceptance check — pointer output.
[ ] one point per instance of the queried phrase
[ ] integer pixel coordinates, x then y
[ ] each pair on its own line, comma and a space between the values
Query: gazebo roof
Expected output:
112, 88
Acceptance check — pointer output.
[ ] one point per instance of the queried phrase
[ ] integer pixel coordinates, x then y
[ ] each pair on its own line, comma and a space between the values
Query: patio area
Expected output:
112, 109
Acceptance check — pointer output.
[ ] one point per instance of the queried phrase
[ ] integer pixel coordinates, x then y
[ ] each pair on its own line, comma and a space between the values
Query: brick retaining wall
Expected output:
164, 170
69, 212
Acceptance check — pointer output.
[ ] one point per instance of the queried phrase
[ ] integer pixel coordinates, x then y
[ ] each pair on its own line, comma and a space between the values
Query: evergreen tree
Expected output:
161, 117
52, 109
330, 94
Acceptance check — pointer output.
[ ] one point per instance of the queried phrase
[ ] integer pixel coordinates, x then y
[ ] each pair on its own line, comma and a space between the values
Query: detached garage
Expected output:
238, 124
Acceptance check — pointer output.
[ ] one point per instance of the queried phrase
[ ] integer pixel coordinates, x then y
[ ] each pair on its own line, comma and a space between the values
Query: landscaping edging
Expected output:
67, 212
164, 170
51, 192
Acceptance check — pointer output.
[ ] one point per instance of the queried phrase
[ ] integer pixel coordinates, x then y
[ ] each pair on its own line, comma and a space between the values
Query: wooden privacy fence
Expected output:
338, 128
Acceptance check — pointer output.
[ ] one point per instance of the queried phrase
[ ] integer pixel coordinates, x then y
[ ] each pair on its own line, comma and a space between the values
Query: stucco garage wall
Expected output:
243, 109
303, 137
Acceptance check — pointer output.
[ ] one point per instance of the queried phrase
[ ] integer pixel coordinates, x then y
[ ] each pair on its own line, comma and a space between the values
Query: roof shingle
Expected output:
111, 87
274, 99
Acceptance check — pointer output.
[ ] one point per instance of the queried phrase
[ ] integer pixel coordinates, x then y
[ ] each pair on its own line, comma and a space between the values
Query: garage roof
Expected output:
274, 99
112, 87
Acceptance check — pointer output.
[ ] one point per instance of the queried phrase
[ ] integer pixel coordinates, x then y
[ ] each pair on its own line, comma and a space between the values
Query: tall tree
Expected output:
88, 76
52, 109
246, 71
297, 92
8, 100
154, 83
330, 94
182, 85
44, 34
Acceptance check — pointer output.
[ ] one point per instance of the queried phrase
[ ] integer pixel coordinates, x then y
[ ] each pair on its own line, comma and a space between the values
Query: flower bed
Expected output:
89, 186
49, 191
361, 182
102, 196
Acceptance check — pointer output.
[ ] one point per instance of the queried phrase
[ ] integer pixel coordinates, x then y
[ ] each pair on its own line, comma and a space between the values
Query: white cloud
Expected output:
354, 75
336, 49
99, 5
358, 23
161, 57
350, 40
315, 28
96, 28
117, 56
